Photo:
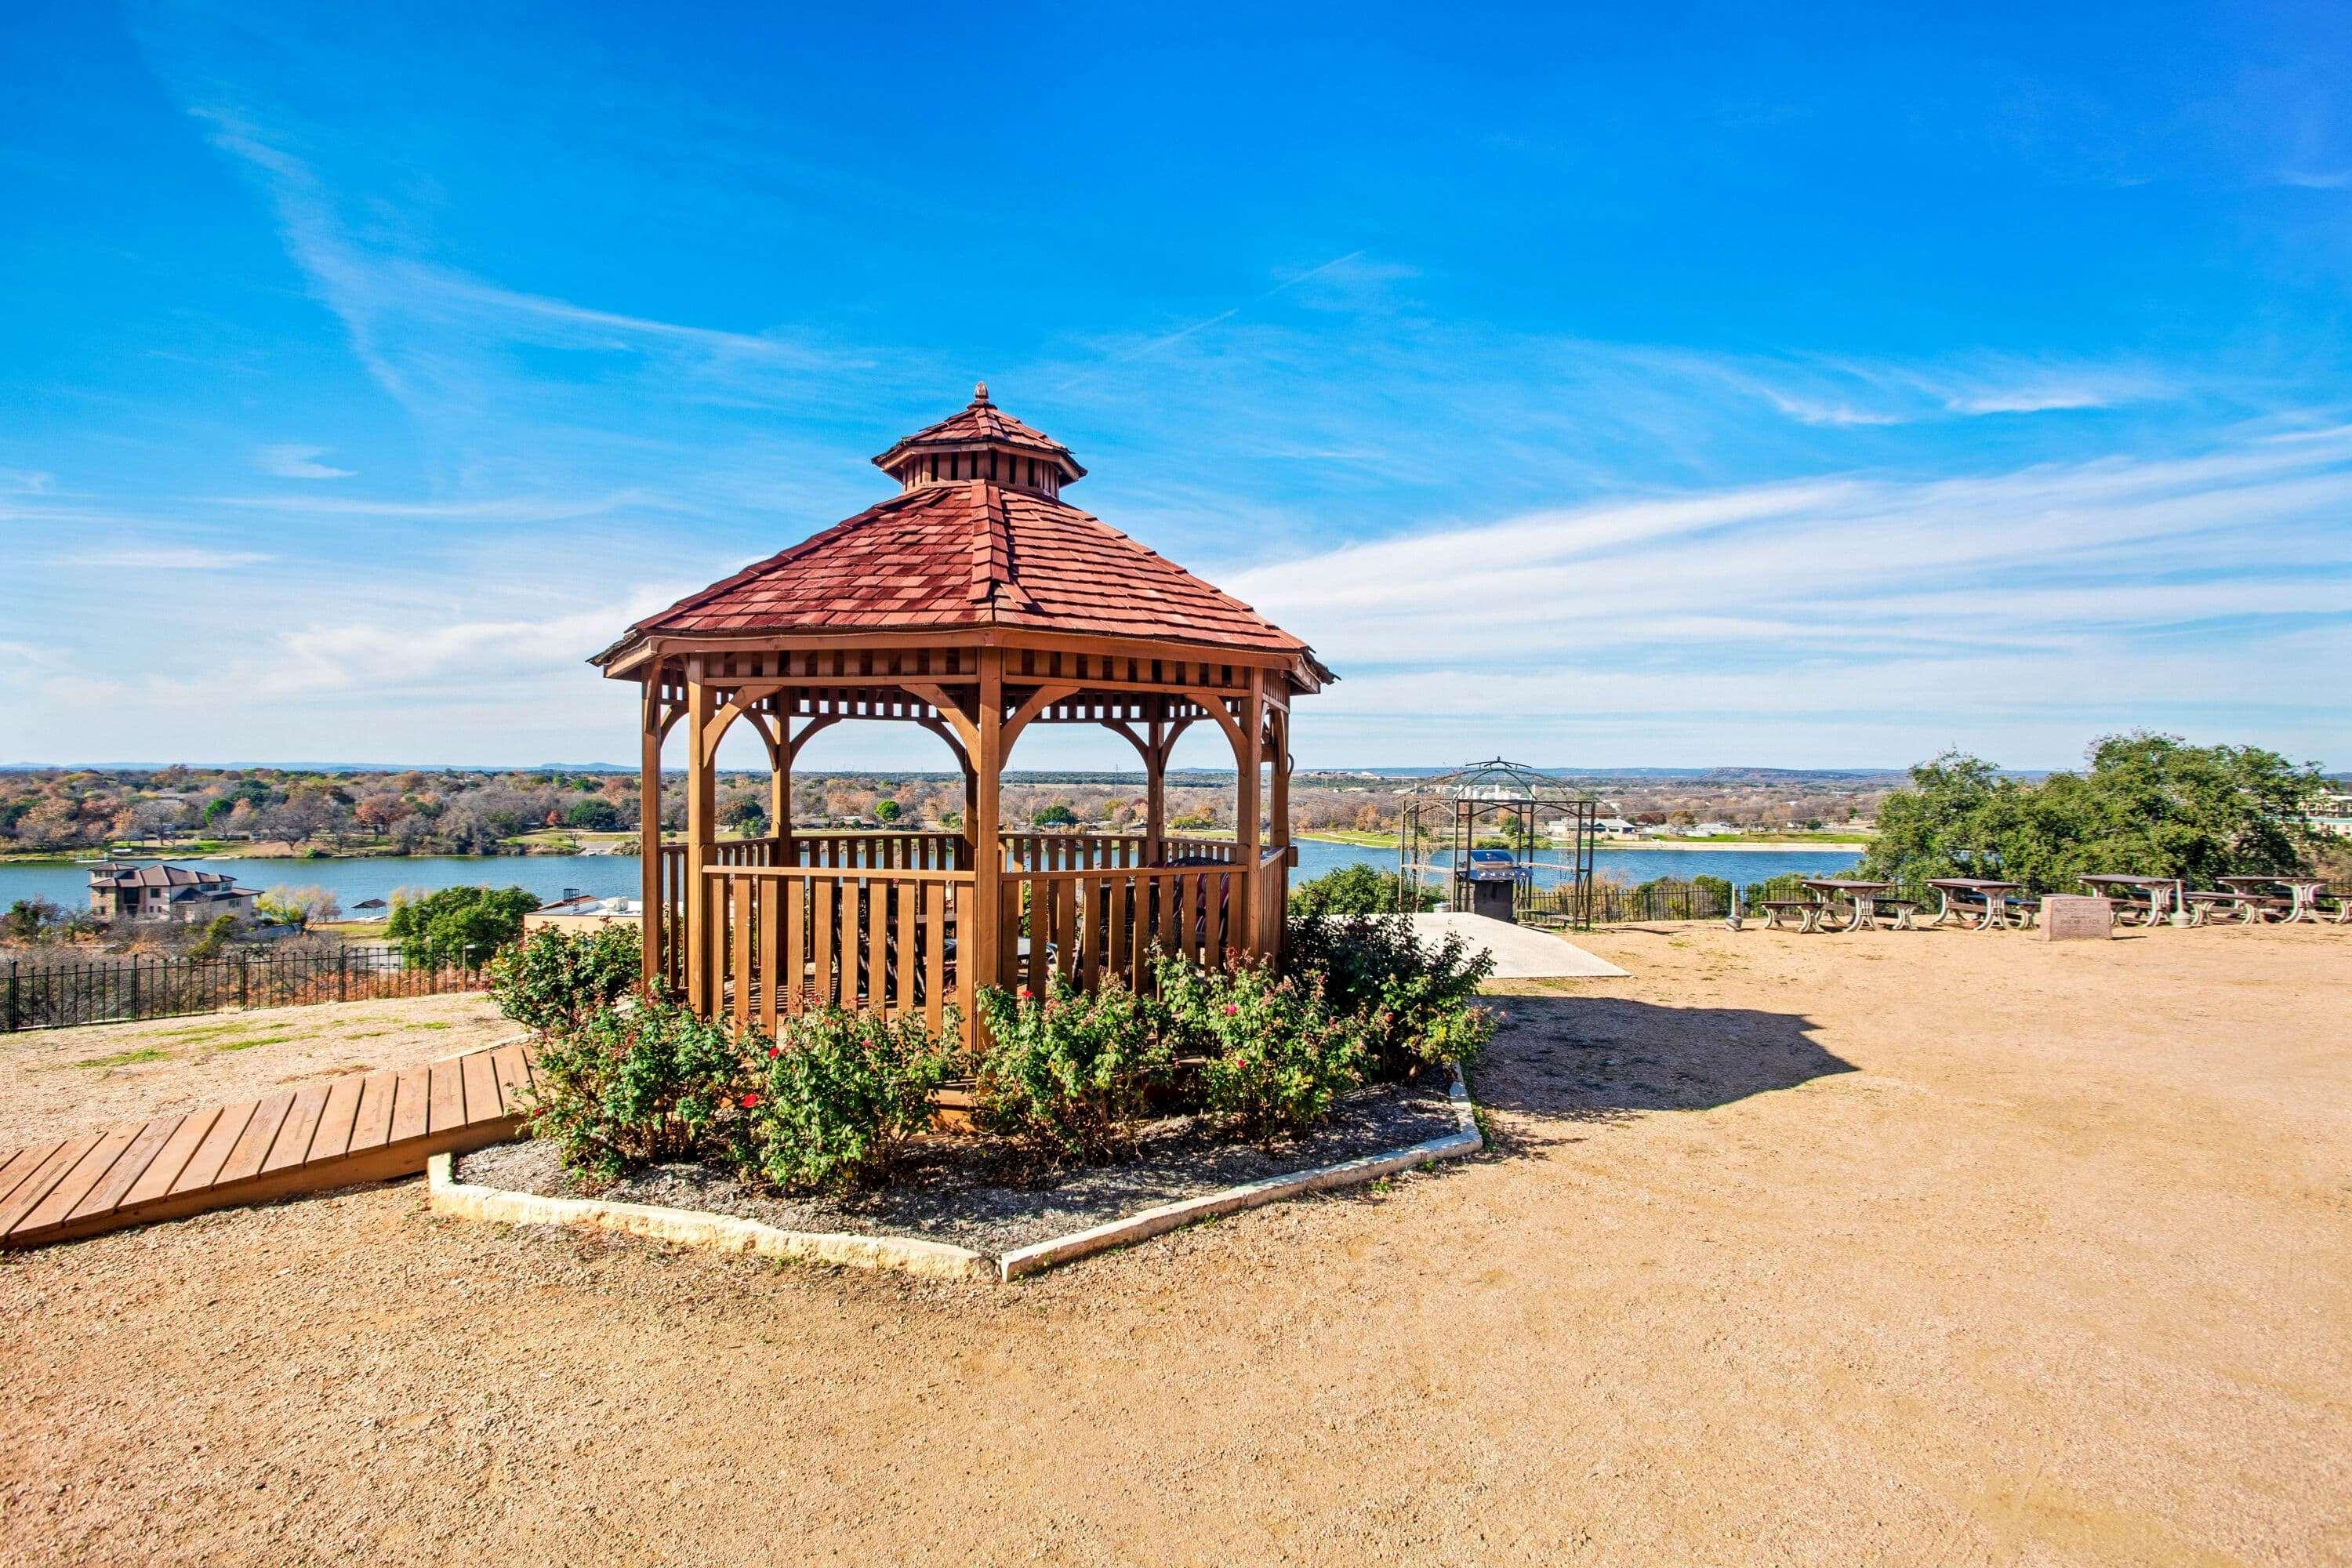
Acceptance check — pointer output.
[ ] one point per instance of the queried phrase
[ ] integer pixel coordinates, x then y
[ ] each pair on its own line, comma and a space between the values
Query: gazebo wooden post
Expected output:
649, 866
978, 943
1155, 786
971, 816
702, 829
780, 791
1279, 732
1278, 726
1248, 759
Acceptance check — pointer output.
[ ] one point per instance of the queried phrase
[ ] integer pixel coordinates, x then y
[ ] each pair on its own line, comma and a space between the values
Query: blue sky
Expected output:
1816, 389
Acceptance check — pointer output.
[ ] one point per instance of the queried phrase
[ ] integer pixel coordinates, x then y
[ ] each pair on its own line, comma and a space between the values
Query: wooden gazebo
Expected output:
973, 603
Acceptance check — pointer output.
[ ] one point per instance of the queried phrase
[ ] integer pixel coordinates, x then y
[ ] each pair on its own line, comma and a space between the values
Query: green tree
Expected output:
597, 816
885, 811
2148, 804
458, 926
1359, 889
1057, 815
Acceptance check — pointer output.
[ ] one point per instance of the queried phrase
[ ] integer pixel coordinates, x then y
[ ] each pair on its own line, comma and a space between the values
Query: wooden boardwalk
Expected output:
368, 1127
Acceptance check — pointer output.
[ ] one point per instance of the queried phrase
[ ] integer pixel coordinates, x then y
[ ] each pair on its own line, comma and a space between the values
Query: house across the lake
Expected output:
158, 892
577, 912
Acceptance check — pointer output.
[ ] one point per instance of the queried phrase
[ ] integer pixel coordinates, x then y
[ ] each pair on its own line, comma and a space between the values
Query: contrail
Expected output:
1156, 345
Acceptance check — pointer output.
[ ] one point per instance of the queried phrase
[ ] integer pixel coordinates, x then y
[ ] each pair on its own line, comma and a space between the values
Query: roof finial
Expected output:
979, 393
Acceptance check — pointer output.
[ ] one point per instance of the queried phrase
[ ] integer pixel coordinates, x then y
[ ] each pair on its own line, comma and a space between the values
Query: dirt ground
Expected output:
1934, 1248
59, 1083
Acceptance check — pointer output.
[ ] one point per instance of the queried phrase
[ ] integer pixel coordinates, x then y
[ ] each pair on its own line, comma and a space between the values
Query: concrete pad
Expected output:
1521, 953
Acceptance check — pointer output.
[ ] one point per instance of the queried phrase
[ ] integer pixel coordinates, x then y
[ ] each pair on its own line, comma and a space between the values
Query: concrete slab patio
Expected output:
1521, 953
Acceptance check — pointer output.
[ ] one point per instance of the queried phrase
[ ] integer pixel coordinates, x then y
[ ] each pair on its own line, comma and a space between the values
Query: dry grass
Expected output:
56, 1083
1934, 1249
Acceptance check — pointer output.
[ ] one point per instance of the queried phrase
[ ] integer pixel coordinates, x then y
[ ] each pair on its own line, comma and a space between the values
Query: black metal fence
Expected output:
1666, 898
36, 994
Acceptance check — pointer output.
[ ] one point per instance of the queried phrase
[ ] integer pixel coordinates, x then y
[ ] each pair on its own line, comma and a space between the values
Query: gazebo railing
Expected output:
1083, 925
1096, 851
1271, 890
1101, 911
782, 940
907, 851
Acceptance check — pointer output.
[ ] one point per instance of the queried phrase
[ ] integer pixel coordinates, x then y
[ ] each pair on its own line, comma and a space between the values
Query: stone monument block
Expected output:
2068, 917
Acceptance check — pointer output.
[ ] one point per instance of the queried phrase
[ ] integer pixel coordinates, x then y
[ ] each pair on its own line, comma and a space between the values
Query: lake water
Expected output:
607, 876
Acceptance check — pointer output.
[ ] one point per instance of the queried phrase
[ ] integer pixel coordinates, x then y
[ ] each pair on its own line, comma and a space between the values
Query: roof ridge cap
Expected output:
1003, 585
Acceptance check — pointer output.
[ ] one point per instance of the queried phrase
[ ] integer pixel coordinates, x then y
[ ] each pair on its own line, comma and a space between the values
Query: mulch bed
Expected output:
975, 1192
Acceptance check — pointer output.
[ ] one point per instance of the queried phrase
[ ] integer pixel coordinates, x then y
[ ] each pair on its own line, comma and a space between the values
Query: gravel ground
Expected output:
61, 1083
1900, 1247
961, 1191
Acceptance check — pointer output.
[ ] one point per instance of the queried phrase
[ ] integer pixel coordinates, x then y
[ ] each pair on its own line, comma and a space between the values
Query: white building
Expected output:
2333, 813
581, 911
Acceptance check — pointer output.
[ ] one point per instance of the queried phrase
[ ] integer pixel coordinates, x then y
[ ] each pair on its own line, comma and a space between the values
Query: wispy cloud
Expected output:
164, 558
489, 509
2094, 585
288, 462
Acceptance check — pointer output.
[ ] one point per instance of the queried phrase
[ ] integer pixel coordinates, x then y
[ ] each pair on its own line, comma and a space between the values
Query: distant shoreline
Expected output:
1763, 847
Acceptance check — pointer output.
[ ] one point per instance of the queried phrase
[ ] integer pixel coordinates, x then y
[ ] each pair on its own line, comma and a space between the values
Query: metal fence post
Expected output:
13, 984
244, 978
342, 975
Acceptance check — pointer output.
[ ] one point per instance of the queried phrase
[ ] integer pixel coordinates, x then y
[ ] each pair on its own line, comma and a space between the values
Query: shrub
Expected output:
1407, 1004
457, 926
837, 1095
1276, 1056
553, 982
1068, 1073
628, 1089
1360, 890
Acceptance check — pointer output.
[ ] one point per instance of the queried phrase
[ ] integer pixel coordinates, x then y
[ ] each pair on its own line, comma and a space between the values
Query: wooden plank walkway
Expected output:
340, 1132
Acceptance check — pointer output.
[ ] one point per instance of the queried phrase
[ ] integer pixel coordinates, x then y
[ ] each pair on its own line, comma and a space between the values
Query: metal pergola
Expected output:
1450, 813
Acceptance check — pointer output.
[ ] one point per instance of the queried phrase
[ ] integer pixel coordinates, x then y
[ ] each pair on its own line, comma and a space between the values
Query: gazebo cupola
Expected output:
981, 442
973, 604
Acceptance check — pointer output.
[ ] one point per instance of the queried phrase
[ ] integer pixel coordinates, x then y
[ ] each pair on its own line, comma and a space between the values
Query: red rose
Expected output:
749, 1101
775, 1051
1232, 1008
1024, 994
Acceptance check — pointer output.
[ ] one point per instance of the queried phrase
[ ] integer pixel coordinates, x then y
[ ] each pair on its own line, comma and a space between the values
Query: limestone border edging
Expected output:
936, 1259
1044, 1255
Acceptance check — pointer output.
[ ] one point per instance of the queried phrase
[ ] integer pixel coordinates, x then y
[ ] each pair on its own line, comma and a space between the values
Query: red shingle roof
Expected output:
972, 553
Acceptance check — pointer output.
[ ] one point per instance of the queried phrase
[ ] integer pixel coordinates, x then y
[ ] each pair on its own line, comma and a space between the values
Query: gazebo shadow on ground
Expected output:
1603, 1058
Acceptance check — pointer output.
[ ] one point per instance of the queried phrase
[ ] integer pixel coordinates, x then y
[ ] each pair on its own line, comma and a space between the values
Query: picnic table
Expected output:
2164, 894
1954, 893
2303, 897
1832, 889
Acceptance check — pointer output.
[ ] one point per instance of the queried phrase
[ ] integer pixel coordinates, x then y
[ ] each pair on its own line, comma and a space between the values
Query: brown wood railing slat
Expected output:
821, 926
768, 896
